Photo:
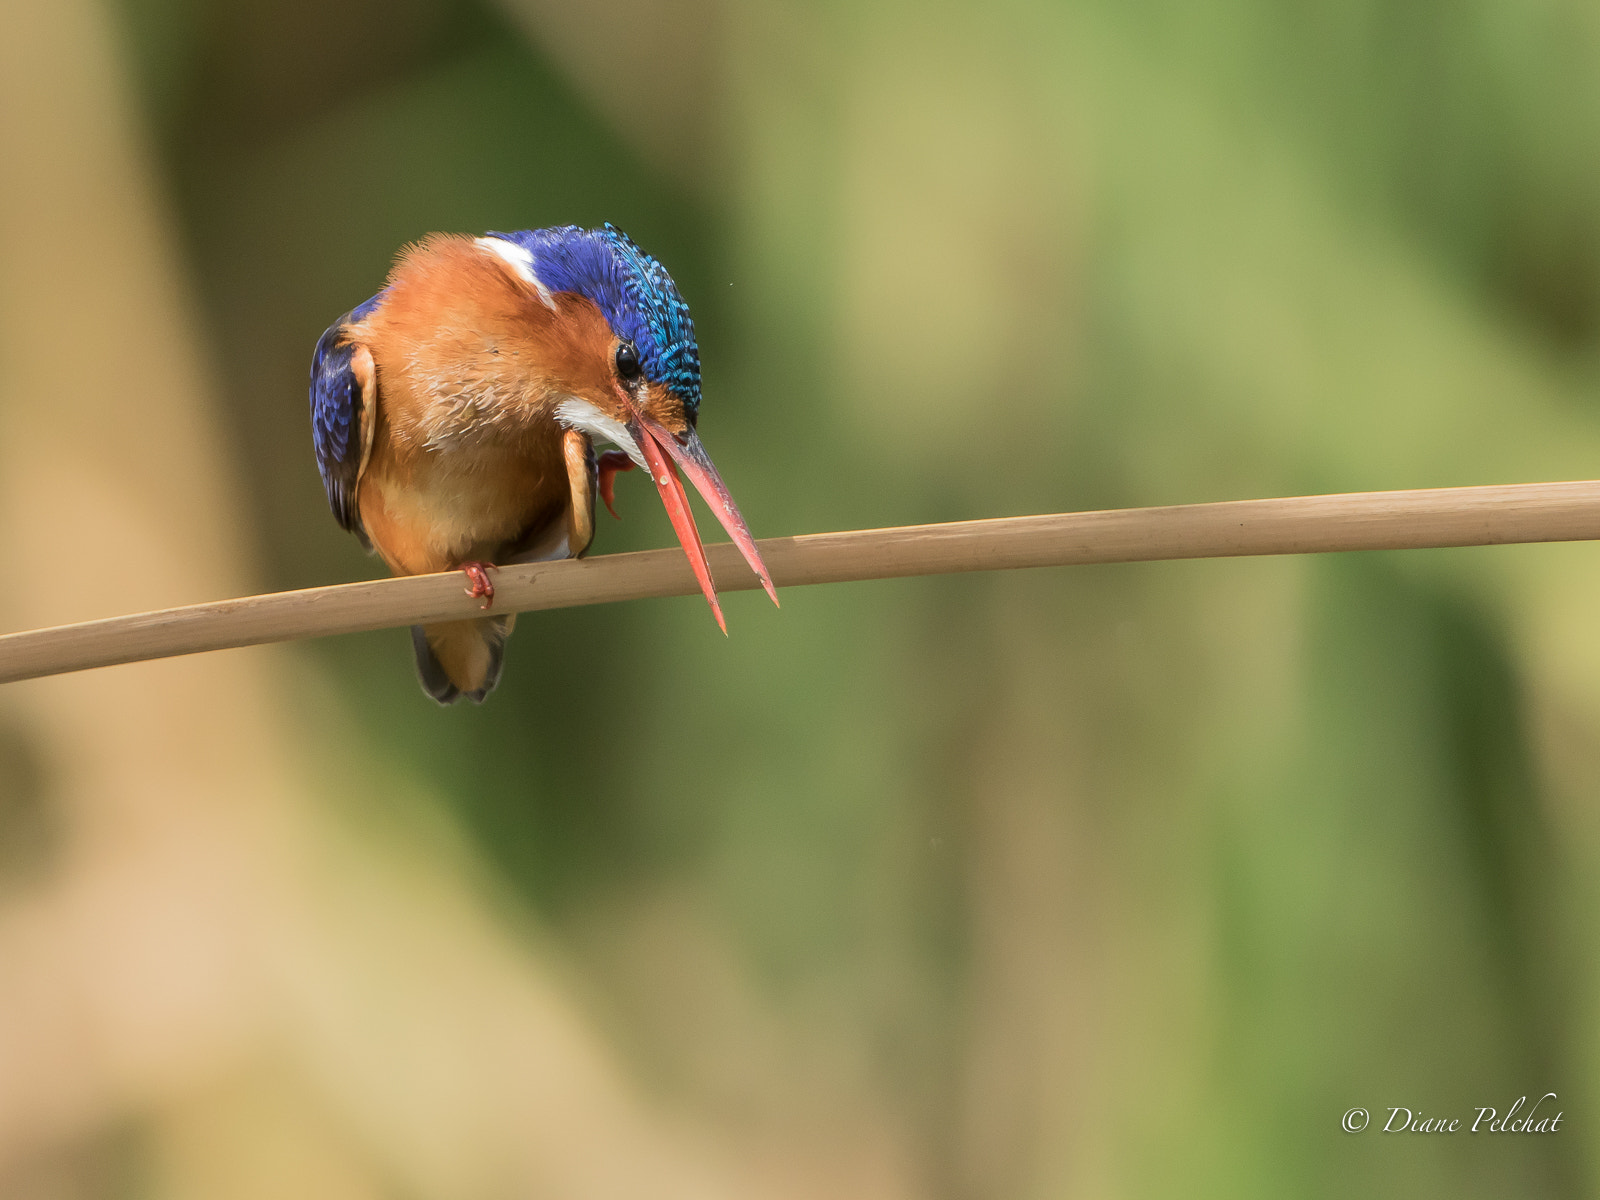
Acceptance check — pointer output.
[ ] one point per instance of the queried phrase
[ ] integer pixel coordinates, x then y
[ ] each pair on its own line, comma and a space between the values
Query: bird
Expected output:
455, 416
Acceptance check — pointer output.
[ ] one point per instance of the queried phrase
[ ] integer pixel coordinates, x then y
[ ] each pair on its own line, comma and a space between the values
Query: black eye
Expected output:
628, 361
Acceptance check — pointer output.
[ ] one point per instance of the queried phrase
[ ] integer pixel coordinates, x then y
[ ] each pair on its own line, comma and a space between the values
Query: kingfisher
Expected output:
455, 416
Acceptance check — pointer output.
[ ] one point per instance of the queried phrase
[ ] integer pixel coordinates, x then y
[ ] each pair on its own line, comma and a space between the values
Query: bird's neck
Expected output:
469, 353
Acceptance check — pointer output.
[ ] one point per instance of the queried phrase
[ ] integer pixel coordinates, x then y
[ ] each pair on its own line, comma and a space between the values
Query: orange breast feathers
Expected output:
471, 361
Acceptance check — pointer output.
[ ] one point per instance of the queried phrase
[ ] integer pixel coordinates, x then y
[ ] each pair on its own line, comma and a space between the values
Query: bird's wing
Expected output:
344, 404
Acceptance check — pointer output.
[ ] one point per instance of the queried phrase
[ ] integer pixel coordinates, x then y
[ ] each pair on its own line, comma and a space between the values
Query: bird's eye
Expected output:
628, 361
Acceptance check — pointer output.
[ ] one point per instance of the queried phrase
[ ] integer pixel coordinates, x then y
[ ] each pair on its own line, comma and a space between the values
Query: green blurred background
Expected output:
1117, 881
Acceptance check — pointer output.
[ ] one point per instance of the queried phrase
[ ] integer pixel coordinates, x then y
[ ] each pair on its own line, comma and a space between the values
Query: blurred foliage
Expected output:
29, 834
1115, 881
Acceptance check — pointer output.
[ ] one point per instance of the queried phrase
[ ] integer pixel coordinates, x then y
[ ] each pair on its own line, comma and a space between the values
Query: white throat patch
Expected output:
580, 414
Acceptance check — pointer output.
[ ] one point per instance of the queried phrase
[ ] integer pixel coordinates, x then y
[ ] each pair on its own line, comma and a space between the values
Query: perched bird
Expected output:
454, 417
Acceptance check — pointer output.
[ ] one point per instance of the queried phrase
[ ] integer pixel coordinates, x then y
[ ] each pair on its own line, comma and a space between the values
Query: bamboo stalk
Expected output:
1469, 516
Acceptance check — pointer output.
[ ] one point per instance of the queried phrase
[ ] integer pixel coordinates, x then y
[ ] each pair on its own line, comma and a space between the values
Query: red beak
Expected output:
661, 449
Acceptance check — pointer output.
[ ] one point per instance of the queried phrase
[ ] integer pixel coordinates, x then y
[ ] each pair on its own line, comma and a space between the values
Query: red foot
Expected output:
610, 463
477, 574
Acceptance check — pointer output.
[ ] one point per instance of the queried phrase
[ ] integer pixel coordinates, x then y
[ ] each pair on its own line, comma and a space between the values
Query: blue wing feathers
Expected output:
336, 410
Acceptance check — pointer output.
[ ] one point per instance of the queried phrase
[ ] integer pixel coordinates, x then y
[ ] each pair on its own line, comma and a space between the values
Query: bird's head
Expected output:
631, 369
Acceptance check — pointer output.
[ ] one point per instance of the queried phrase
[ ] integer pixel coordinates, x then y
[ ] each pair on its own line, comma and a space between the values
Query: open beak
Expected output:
661, 450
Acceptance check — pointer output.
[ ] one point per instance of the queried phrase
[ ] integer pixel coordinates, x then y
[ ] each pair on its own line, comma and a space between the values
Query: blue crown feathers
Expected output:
632, 289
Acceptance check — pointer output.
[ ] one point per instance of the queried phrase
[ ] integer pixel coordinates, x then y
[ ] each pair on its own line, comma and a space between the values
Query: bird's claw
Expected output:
609, 464
477, 574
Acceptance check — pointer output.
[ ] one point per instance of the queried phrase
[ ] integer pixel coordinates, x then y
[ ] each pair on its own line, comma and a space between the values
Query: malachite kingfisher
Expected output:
455, 414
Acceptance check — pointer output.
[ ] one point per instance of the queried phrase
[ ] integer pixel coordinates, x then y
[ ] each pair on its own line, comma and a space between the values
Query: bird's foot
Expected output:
609, 464
477, 574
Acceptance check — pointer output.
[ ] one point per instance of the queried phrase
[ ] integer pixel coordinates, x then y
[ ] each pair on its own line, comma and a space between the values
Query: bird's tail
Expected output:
461, 658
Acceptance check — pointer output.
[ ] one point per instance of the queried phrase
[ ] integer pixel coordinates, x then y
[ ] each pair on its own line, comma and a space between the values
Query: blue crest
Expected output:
632, 289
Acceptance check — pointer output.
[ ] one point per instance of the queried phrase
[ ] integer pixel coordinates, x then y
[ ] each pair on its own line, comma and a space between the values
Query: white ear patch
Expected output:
521, 262
580, 414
